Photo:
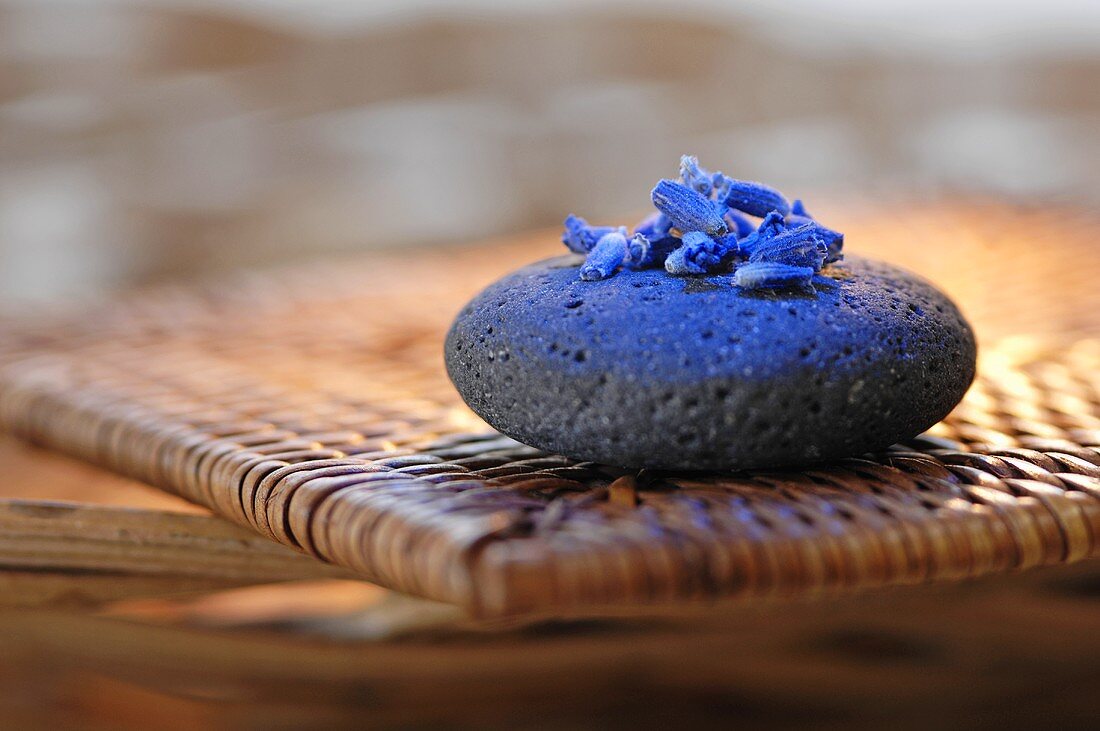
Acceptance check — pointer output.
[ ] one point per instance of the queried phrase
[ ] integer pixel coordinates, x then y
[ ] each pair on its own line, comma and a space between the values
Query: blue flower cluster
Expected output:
703, 226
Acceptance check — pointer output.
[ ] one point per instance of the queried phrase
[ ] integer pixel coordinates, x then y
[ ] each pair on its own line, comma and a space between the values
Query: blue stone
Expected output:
650, 370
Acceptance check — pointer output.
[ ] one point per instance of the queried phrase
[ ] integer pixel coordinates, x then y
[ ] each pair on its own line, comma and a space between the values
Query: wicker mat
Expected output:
311, 405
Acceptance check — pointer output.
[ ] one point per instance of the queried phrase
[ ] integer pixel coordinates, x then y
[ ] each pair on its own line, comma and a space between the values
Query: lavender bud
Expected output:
643, 253
800, 247
741, 225
798, 209
834, 247
772, 275
579, 237
688, 209
730, 247
698, 254
834, 240
756, 199
721, 185
654, 226
694, 176
772, 225
606, 256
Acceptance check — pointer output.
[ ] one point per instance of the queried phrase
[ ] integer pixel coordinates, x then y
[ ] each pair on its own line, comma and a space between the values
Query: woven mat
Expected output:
310, 405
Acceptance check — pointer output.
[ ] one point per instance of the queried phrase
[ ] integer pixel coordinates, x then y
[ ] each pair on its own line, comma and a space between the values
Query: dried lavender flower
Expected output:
580, 237
834, 244
644, 253
694, 176
800, 247
697, 254
741, 225
688, 209
721, 185
834, 240
702, 225
772, 275
772, 225
654, 226
756, 199
606, 256
730, 246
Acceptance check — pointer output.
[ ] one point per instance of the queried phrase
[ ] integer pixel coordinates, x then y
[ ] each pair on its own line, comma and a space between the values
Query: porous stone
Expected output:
651, 370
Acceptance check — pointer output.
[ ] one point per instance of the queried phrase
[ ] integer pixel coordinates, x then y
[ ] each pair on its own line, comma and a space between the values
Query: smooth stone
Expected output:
646, 369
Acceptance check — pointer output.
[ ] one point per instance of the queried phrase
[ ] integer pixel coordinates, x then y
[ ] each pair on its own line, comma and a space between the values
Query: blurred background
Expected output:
143, 141
156, 139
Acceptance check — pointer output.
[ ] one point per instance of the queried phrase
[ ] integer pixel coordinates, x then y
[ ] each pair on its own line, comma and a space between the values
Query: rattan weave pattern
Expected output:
310, 404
